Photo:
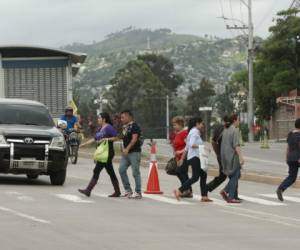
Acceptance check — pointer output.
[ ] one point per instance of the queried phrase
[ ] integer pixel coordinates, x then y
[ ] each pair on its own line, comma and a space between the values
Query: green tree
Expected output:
135, 87
200, 96
277, 64
164, 70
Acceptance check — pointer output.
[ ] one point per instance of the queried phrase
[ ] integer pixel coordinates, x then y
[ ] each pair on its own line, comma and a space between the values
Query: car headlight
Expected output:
58, 143
2, 140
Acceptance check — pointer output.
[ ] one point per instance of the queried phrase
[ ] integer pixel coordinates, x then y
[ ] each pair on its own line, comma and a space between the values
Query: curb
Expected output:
252, 177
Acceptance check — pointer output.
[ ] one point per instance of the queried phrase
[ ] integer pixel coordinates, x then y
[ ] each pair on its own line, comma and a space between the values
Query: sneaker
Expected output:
136, 196
128, 194
279, 194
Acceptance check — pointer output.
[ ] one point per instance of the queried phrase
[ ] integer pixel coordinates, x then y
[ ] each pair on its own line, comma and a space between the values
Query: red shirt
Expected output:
179, 142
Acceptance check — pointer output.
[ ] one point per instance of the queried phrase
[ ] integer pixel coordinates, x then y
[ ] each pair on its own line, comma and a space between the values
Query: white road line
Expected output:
239, 210
261, 201
13, 193
287, 198
25, 216
264, 161
254, 214
73, 198
262, 218
101, 195
166, 199
216, 201
25, 198
117, 199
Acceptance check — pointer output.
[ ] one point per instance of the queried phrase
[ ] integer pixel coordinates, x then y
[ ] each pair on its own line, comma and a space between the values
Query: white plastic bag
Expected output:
204, 154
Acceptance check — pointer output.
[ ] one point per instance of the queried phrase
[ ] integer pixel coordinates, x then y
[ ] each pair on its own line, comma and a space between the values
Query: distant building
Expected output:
41, 74
283, 119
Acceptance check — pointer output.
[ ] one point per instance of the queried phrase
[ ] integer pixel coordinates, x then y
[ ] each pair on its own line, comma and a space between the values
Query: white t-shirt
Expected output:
193, 138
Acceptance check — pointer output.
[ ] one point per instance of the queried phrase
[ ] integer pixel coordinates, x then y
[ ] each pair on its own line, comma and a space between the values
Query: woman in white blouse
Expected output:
193, 159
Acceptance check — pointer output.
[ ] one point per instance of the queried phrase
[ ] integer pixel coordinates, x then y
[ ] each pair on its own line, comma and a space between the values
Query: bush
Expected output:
244, 129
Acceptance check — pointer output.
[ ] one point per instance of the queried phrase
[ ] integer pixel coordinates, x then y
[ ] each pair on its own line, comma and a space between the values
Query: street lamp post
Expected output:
206, 110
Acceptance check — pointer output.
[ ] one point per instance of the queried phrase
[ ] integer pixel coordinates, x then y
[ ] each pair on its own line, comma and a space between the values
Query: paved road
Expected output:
266, 161
36, 215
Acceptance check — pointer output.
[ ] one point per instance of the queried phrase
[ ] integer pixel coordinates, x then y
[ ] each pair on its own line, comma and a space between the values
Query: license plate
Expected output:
28, 159
27, 165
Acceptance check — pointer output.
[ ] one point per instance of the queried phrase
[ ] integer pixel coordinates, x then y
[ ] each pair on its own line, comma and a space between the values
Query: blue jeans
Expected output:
134, 160
231, 187
293, 172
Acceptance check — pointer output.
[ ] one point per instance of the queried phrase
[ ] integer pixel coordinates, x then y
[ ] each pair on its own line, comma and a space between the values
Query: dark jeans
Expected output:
218, 180
232, 185
109, 169
196, 173
182, 173
292, 177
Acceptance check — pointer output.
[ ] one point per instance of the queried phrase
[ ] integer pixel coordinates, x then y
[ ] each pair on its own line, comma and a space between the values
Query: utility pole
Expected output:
250, 60
250, 72
168, 117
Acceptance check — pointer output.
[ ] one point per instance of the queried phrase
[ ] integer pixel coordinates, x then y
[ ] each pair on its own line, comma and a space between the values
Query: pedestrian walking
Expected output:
108, 133
231, 158
292, 159
193, 160
131, 154
216, 144
179, 144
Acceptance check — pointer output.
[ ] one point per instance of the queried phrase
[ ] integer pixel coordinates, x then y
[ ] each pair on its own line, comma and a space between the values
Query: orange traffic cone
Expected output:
153, 180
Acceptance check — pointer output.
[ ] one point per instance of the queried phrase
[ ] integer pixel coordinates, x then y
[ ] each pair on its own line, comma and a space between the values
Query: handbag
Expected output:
101, 153
171, 167
203, 157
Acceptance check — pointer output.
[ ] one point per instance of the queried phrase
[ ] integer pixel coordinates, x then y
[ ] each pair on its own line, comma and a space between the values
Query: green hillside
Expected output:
194, 57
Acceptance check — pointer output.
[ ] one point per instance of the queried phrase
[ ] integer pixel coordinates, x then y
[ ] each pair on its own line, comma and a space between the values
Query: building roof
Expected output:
37, 51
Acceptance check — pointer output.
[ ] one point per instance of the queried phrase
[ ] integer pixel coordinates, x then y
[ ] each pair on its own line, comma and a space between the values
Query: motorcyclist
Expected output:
70, 118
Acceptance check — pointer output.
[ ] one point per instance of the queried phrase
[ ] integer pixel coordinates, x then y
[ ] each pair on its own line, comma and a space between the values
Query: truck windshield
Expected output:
25, 115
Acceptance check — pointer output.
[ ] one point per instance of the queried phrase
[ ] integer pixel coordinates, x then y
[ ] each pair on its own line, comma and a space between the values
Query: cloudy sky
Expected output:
60, 22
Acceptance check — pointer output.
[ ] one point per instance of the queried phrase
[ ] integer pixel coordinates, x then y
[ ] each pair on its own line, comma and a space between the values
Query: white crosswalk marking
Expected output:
287, 198
215, 201
73, 198
161, 198
13, 193
261, 201
25, 198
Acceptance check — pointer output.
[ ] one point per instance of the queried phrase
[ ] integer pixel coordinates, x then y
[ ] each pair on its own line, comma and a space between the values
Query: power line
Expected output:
233, 27
295, 4
223, 17
241, 11
234, 19
268, 13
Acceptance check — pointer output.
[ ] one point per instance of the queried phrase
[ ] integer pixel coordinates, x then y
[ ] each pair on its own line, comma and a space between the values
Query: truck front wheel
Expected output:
58, 178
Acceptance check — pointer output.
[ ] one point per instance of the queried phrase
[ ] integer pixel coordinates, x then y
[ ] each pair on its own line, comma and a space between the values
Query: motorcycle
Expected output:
72, 141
